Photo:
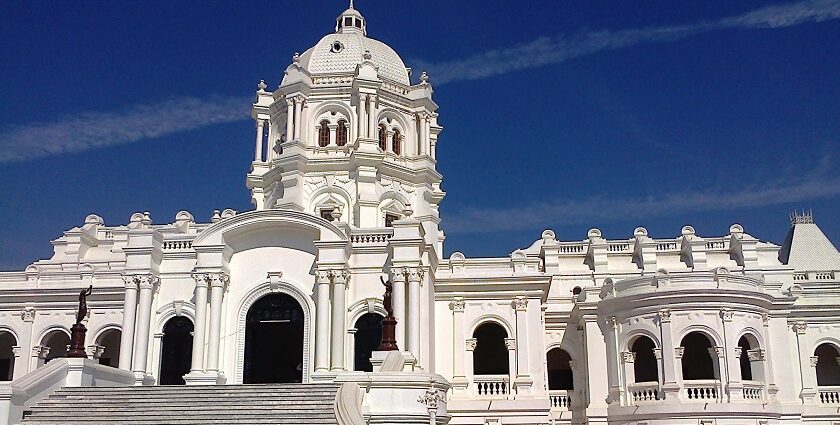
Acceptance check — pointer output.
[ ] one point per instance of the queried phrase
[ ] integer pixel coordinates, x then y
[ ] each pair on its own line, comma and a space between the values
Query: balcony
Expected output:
491, 386
644, 392
560, 399
829, 395
702, 390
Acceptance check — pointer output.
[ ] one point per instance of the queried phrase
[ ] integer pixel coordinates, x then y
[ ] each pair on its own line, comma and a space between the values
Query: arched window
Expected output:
368, 336
57, 341
341, 133
324, 134
560, 375
7, 356
490, 356
697, 361
751, 359
383, 137
396, 141
828, 365
109, 340
644, 367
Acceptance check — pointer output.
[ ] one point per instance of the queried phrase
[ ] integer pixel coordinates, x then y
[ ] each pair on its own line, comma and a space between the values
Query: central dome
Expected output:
341, 52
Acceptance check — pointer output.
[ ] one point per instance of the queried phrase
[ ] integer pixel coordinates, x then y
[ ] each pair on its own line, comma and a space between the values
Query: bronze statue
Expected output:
389, 323
78, 331
82, 313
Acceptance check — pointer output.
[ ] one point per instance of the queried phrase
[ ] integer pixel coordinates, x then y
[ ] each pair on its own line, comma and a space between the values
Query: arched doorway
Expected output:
368, 336
57, 341
828, 365
645, 365
274, 341
109, 340
560, 375
490, 356
175, 351
697, 362
7, 356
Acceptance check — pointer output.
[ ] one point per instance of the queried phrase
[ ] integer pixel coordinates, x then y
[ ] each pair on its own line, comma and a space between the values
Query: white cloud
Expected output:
103, 129
586, 211
550, 50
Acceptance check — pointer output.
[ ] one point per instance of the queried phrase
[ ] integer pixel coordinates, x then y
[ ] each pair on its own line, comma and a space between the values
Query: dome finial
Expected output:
351, 4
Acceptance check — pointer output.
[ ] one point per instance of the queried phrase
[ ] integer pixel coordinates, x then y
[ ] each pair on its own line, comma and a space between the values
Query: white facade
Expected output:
687, 330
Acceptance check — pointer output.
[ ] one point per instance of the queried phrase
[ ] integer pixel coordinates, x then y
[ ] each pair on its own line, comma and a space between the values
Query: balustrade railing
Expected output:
644, 392
753, 390
560, 399
829, 395
702, 390
492, 386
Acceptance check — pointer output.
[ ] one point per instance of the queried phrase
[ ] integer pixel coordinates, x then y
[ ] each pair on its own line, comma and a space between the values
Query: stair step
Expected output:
250, 404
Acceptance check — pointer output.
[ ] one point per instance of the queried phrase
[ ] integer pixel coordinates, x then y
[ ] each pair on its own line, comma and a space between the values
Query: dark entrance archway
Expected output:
274, 341
176, 351
368, 336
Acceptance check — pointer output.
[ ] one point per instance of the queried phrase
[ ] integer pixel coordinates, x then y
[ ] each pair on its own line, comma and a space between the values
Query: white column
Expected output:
19, 368
671, 368
398, 277
459, 349
628, 358
129, 314
421, 135
389, 140
415, 276
361, 121
510, 343
201, 283
372, 117
339, 312
218, 282
523, 371
807, 365
144, 318
298, 113
333, 128
290, 116
322, 322
259, 148
469, 367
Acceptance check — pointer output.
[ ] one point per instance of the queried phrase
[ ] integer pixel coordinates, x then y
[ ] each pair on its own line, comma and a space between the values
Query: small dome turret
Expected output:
350, 21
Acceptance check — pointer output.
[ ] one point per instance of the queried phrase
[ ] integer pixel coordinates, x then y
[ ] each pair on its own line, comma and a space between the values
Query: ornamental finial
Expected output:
424, 78
262, 86
296, 57
351, 4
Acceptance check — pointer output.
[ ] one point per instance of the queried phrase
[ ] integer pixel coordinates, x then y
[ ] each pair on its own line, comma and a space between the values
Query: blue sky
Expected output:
565, 114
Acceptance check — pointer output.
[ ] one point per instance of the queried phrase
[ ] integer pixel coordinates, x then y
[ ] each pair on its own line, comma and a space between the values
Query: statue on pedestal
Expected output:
389, 323
78, 330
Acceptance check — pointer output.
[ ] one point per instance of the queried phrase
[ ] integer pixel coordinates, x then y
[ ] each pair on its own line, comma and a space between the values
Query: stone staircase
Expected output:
266, 404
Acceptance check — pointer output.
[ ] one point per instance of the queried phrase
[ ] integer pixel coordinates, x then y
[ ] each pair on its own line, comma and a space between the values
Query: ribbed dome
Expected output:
341, 52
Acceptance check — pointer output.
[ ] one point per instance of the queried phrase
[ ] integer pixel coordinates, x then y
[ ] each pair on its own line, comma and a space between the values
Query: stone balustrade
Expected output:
491, 386
560, 399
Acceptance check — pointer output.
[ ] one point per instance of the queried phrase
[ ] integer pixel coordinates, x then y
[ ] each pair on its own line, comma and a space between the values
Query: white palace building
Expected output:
693, 329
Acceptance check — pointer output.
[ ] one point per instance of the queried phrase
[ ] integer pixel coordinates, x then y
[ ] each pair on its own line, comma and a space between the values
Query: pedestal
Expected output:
77, 342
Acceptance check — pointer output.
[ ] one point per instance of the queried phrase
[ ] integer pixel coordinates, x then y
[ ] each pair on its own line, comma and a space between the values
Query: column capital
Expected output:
717, 352
664, 315
218, 280
40, 351
628, 357
738, 351
470, 343
260, 122
147, 281
339, 276
726, 314
678, 352
458, 304
800, 327
17, 351
657, 352
814, 360
399, 272
510, 343
130, 282
322, 277
202, 280
414, 274
520, 303
757, 355
27, 314
613, 322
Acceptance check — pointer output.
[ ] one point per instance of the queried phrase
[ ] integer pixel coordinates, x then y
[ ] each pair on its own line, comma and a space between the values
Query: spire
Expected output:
351, 21
806, 248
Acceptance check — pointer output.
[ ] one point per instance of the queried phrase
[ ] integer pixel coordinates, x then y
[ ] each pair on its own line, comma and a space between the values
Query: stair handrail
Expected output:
348, 404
